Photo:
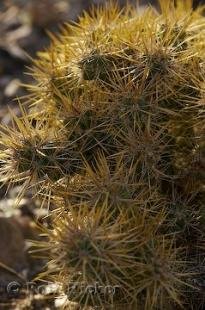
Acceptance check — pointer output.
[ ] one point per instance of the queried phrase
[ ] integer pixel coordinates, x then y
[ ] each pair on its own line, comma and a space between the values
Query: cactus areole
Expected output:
114, 140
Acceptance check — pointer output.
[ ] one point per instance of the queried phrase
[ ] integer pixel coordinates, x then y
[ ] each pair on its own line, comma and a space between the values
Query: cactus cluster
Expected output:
114, 140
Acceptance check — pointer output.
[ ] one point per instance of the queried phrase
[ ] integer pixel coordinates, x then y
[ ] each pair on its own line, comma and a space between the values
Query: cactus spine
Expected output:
115, 141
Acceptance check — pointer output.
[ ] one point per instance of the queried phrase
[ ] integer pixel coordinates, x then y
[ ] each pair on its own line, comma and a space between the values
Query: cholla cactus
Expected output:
115, 140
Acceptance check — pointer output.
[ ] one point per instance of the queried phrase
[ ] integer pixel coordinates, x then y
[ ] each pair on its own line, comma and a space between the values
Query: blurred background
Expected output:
23, 31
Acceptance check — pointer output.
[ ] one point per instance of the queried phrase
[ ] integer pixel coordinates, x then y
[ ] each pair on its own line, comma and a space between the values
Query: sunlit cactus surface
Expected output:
113, 142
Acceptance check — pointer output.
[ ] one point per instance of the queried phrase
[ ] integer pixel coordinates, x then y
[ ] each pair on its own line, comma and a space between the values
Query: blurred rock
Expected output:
12, 87
13, 261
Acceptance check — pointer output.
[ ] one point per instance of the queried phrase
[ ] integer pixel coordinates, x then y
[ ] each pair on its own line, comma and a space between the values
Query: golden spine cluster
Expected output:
114, 139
